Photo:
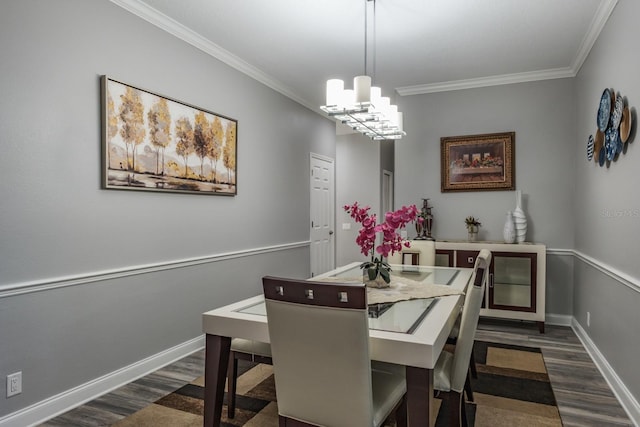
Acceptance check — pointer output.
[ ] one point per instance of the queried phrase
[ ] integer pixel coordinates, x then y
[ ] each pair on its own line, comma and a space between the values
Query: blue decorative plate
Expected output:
604, 112
590, 148
619, 143
616, 114
602, 155
611, 143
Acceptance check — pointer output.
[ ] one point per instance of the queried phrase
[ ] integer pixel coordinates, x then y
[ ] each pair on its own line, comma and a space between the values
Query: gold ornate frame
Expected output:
478, 162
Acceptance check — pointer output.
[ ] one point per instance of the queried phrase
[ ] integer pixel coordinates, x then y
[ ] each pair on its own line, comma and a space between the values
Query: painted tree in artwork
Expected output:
159, 120
184, 146
112, 123
202, 138
215, 149
132, 119
229, 155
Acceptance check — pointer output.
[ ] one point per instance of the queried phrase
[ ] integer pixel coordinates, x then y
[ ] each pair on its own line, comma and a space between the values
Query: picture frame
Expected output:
151, 142
478, 162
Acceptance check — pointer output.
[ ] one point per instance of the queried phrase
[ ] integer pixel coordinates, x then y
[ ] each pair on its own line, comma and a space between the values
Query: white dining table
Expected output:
410, 333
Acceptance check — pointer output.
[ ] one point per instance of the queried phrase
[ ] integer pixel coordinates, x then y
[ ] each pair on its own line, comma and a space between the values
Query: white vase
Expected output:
509, 231
520, 219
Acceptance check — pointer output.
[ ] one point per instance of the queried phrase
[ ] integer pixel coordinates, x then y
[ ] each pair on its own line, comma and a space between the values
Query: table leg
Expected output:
419, 396
215, 370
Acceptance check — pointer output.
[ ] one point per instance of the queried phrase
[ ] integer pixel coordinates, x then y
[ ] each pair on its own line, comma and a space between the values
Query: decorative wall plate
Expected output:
611, 143
602, 156
590, 144
598, 144
604, 111
619, 143
625, 125
616, 114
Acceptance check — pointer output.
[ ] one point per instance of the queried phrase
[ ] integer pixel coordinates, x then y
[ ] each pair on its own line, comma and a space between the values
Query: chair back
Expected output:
424, 249
469, 320
319, 335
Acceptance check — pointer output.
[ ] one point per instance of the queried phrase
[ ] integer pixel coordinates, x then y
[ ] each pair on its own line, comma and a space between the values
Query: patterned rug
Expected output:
512, 389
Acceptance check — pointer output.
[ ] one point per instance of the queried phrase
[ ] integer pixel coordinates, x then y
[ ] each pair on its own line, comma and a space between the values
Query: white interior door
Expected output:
322, 234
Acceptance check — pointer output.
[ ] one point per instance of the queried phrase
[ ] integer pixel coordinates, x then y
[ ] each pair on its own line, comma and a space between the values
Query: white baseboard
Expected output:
60, 403
558, 319
626, 399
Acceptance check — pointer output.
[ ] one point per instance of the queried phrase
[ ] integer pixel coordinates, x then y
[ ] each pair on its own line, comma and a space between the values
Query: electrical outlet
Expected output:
14, 384
588, 319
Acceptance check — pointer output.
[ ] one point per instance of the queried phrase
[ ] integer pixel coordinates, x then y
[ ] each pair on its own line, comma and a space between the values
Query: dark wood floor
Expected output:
583, 396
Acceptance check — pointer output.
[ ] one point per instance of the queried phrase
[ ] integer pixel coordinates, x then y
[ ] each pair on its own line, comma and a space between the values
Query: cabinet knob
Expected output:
470, 260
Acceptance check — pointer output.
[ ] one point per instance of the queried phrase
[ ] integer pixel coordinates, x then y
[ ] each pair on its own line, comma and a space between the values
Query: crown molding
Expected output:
171, 26
597, 24
558, 73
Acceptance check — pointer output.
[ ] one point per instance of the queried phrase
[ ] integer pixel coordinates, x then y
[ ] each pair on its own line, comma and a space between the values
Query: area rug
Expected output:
512, 389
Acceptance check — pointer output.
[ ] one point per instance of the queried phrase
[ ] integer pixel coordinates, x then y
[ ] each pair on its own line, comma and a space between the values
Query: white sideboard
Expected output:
516, 288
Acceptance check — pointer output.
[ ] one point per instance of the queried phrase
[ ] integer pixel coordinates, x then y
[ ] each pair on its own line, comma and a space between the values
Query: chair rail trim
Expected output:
134, 270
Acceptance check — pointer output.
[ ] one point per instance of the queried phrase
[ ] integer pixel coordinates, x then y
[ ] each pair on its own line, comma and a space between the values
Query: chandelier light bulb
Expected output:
335, 87
376, 94
362, 88
348, 98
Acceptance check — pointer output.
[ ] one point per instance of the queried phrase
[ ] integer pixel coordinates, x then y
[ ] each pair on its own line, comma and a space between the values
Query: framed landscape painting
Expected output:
154, 143
478, 162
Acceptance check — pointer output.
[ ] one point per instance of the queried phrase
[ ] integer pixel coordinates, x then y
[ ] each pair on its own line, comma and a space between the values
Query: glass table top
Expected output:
401, 316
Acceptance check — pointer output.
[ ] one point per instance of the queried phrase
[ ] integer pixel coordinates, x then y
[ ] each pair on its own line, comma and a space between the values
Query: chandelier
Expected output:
363, 108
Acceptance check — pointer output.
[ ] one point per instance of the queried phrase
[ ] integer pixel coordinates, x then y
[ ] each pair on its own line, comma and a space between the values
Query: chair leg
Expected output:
232, 376
472, 365
463, 410
401, 413
467, 387
455, 401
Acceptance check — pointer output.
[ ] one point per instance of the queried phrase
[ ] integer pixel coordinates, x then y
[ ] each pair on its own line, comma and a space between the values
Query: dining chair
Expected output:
452, 369
421, 252
319, 335
253, 351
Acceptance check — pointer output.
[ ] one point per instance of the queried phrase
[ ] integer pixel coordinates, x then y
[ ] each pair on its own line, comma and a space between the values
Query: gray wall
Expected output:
58, 227
359, 165
607, 204
542, 116
358, 177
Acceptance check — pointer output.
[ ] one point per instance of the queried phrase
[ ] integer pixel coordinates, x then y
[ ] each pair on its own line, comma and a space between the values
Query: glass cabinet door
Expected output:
444, 258
513, 281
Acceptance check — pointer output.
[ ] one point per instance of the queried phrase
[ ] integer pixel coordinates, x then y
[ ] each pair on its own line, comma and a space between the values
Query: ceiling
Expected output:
412, 46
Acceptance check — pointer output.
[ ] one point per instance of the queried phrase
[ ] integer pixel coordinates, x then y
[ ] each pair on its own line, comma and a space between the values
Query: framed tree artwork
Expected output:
155, 143
478, 162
